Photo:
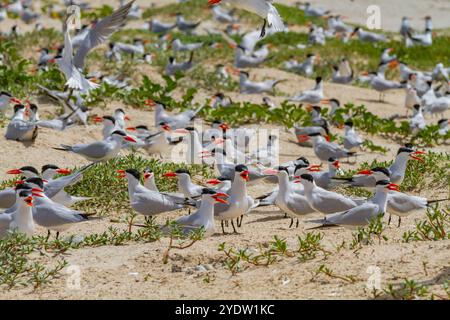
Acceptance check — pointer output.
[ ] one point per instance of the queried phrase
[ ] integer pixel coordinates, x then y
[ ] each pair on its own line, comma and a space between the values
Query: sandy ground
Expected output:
136, 270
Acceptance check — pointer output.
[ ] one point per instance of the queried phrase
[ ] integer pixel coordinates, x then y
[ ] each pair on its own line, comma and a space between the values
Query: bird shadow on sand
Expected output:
377, 101
267, 219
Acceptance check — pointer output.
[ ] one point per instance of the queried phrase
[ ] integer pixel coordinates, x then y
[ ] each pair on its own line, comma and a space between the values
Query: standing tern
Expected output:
325, 149
363, 214
398, 203
311, 11
100, 151
239, 202
367, 36
20, 129
352, 141
184, 25
149, 180
322, 200
173, 66
178, 46
252, 87
243, 60
21, 219
263, 8
289, 201
148, 202
417, 122
306, 67
185, 184
313, 96
204, 216
443, 125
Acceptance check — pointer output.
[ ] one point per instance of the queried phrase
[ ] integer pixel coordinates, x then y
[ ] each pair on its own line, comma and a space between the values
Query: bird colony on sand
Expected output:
299, 187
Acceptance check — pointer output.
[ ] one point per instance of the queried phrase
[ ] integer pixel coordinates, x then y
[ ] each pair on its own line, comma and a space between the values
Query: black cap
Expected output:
307, 177
134, 173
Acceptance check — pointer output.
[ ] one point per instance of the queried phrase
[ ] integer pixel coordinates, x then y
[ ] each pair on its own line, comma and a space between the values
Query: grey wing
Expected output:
54, 186
299, 205
101, 32
331, 202
5, 220
150, 203
55, 215
358, 216
96, 150
17, 129
402, 203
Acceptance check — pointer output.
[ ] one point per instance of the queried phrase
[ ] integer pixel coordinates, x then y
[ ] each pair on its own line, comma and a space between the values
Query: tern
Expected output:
325, 179
178, 46
386, 57
352, 141
149, 180
324, 201
51, 215
337, 77
368, 36
54, 188
184, 183
21, 218
184, 25
363, 214
148, 202
411, 98
443, 125
160, 142
98, 34
5, 99
204, 216
263, 8
222, 15
173, 66
313, 96
425, 39
242, 60
100, 151
311, 11
157, 26
306, 67
8, 195
239, 202
324, 149
405, 27
289, 201
417, 122
251, 87
176, 121
398, 203
20, 129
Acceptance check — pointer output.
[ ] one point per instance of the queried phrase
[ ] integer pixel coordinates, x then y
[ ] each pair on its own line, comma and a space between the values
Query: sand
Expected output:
136, 271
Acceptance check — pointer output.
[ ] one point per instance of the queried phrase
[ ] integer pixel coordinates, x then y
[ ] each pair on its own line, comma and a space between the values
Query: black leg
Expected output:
292, 222
390, 217
57, 235
399, 222
296, 225
223, 230
232, 224
263, 30
285, 215
48, 235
